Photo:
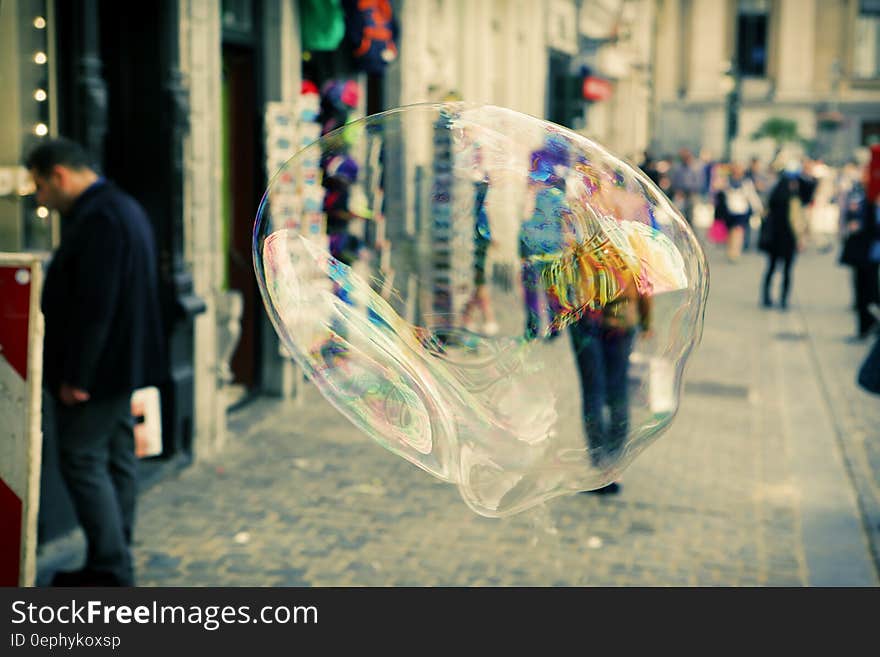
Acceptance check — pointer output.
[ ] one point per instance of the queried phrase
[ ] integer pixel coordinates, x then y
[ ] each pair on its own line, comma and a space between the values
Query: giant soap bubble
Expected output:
497, 299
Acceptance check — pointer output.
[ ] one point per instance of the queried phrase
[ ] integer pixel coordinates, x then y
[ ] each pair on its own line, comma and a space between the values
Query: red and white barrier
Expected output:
21, 356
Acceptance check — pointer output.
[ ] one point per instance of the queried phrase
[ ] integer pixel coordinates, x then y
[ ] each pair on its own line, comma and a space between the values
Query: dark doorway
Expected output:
242, 191
134, 145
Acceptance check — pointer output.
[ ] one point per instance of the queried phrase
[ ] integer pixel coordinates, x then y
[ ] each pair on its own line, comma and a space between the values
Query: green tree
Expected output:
781, 131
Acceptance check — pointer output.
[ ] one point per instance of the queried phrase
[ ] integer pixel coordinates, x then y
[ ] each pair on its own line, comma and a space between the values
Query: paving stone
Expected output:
721, 499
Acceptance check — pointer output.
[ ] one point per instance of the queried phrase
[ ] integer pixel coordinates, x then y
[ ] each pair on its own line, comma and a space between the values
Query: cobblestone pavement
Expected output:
855, 414
768, 477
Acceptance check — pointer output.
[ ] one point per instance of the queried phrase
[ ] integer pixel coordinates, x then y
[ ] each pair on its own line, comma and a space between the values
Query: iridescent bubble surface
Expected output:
494, 298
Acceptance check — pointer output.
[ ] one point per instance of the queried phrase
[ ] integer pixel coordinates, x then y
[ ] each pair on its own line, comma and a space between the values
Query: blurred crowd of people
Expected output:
782, 208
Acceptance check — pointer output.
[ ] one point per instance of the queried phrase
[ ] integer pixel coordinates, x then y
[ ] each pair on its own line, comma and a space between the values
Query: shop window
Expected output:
866, 44
751, 37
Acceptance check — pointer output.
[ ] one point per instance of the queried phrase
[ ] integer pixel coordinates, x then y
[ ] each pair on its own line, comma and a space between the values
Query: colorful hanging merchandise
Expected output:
338, 99
340, 173
322, 24
372, 32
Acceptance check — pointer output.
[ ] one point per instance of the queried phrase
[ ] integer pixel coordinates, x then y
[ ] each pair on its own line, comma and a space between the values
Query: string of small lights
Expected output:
40, 93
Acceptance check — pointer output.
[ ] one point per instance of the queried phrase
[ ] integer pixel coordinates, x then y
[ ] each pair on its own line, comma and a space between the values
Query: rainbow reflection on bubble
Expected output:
500, 301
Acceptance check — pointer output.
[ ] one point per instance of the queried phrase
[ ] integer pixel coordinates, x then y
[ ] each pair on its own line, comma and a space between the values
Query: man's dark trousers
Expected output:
96, 446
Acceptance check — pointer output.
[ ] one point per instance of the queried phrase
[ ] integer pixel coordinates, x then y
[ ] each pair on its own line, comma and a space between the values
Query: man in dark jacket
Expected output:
103, 339
863, 255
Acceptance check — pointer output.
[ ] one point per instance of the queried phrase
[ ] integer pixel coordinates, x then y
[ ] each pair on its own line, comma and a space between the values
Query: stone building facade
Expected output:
811, 61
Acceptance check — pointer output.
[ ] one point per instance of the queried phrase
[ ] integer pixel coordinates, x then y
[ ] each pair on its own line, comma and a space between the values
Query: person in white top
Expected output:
736, 202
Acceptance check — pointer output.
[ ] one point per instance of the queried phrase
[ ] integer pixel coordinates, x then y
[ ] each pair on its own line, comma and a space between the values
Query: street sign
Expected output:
21, 355
596, 89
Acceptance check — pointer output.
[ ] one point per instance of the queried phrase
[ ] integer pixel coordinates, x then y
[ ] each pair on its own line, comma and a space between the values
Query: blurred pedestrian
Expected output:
649, 166
808, 180
687, 181
848, 192
103, 340
783, 235
868, 376
736, 202
709, 166
542, 234
480, 299
603, 341
762, 180
850, 176
664, 175
861, 251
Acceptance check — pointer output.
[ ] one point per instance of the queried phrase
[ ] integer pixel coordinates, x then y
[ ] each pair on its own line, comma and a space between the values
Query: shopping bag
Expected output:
146, 409
703, 214
718, 232
661, 386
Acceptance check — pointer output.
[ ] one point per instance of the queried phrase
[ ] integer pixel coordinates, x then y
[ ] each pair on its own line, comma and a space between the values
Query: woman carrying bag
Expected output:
736, 202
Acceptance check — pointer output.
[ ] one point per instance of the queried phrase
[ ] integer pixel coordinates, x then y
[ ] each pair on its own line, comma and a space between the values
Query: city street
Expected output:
431, 146
768, 477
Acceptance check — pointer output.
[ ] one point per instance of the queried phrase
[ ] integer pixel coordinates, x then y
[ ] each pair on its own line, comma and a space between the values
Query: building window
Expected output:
238, 20
866, 45
751, 37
